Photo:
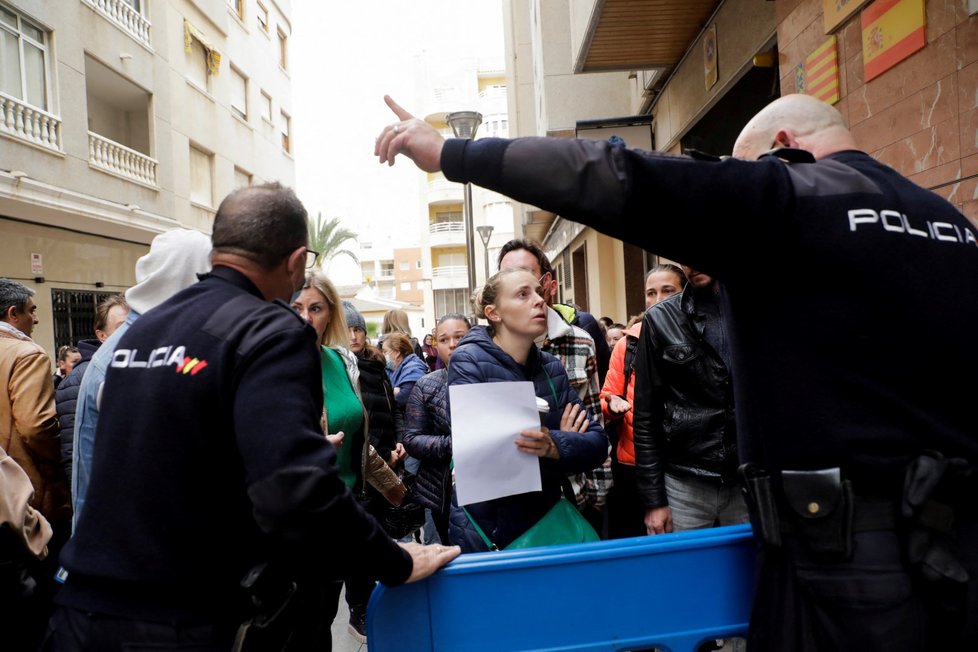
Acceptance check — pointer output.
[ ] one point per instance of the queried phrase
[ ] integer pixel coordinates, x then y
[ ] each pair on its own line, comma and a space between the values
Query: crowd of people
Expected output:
385, 416
231, 452
850, 432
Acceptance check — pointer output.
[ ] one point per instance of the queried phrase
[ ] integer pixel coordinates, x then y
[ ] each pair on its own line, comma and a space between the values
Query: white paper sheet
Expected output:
486, 421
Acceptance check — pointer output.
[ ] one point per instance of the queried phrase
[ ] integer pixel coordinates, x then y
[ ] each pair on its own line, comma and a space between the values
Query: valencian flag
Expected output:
892, 31
822, 72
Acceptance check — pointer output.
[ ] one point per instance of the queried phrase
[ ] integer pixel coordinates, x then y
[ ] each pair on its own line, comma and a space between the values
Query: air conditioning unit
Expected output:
650, 78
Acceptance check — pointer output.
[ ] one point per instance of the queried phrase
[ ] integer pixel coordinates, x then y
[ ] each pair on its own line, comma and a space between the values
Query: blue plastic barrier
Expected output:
671, 592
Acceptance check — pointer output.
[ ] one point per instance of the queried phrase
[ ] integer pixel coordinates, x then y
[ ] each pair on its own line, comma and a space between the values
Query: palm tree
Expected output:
328, 237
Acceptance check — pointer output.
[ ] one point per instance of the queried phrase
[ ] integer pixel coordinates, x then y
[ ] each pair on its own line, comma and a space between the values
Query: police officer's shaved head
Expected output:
264, 223
799, 121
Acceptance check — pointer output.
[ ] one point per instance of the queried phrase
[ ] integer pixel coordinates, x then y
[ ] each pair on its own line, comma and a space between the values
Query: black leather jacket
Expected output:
684, 412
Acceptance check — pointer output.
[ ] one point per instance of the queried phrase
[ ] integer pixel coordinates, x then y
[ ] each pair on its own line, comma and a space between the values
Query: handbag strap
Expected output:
553, 390
489, 544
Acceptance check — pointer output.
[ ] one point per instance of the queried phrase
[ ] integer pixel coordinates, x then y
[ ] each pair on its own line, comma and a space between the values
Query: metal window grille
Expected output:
73, 315
453, 300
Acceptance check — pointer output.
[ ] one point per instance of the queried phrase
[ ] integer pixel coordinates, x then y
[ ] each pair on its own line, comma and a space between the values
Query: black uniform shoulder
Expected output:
247, 321
831, 175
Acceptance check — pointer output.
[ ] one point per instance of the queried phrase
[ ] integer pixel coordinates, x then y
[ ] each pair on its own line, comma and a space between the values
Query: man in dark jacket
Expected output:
109, 315
209, 460
684, 430
841, 395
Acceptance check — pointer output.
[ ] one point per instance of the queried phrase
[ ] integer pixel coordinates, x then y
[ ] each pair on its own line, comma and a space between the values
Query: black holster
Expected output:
761, 504
273, 623
816, 506
820, 509
935, 488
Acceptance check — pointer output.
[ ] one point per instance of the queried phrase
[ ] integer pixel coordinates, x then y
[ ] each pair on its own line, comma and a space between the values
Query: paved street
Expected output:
342, 641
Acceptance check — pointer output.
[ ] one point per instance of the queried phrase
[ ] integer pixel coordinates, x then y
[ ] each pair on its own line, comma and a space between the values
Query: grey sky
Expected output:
345, 57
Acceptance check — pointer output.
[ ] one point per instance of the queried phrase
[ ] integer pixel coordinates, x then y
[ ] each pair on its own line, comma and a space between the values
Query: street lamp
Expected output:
485, 232
464, 124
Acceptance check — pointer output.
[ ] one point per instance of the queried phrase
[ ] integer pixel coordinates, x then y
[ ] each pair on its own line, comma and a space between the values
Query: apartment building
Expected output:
466, 85
121, 119
424, 266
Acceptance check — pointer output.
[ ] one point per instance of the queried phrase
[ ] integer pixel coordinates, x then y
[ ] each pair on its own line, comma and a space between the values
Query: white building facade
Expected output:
121, 119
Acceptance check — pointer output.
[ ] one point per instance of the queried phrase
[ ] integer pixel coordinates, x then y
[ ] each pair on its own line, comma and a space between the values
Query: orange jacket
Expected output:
614, 385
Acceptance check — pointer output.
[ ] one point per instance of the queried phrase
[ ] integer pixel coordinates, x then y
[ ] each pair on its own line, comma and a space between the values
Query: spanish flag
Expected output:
892, 31
822, 72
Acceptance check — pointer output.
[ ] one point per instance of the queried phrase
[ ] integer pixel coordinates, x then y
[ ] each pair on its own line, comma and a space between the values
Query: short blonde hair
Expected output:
336, 333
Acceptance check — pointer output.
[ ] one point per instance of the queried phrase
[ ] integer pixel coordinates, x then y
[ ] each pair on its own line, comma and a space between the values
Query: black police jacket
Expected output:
209, 459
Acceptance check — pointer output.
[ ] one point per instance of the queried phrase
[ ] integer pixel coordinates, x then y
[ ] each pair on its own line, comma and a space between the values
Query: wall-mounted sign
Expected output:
837, 12
800, 84
710, 56
37, 265
822, 72
892, 31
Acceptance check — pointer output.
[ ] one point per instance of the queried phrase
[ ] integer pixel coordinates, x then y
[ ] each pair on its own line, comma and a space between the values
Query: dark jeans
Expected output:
358, 592
305, 627
24, 615
626, 515
441, 525
872, 602
73, 630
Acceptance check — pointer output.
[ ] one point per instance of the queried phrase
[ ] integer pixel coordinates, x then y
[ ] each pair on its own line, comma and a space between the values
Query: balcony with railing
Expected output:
449, 277
29, 123
117, 159
444, 234
119, 125
493, 100
125, 16
443, 191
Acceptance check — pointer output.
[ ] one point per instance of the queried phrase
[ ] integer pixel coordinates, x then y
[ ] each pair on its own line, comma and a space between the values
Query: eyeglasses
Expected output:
311, 257
545, 275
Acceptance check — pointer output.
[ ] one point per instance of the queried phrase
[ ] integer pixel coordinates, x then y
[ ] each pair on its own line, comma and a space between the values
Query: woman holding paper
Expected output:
568, 441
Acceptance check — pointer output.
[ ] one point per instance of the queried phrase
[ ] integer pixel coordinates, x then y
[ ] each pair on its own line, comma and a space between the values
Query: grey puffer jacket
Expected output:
428, 438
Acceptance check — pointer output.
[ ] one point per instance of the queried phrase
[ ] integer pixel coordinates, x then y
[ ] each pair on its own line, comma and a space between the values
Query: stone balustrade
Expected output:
29, 123
118, 159
122, 14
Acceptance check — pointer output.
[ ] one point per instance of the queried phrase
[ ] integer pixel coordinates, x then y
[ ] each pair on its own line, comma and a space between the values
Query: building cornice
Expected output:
31, 200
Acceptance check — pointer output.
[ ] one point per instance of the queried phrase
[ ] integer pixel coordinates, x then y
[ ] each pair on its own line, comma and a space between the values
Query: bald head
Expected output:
263, 223
798, 121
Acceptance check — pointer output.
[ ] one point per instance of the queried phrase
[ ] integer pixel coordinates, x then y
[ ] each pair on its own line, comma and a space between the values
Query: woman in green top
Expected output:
343, 421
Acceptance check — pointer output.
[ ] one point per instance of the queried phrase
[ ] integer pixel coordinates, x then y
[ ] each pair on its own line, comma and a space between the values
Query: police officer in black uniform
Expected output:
214, 498
860, 436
